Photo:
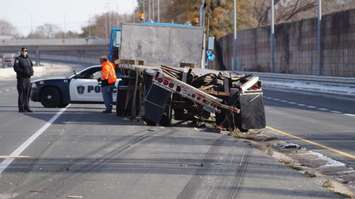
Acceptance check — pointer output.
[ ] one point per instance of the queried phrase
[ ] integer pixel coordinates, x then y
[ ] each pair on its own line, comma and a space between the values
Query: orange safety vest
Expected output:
108, 72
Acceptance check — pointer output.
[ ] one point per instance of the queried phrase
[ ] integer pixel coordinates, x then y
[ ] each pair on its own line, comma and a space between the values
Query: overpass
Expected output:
70, 50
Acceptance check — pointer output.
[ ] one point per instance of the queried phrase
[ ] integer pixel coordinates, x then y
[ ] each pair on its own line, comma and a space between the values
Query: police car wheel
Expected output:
50, 97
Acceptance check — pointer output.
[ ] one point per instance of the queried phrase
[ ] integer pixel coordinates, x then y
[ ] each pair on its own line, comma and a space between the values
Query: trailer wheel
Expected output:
239, 124
149, 122
166, 119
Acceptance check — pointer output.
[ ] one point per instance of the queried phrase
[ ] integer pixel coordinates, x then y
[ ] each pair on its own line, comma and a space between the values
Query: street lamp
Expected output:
272, 35
158, 10
153, 10
235, 60
318, 65
149, 10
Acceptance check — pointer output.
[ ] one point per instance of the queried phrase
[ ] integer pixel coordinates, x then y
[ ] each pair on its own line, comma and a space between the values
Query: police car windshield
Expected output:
77, 74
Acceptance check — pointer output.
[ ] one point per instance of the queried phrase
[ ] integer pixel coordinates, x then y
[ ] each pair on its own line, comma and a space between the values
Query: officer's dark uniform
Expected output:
23, 67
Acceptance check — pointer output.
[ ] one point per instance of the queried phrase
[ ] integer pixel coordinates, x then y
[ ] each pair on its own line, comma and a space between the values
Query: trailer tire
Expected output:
149, 122
167, 117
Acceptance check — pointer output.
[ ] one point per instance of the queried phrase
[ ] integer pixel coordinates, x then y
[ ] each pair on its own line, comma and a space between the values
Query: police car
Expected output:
81, 87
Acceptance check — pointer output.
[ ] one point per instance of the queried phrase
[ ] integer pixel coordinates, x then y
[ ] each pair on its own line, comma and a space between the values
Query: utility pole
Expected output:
158, 10
235, 19
149, 10
235, 59
202, 24
202, 13
143, 8
318, 64
272, 35
153, 6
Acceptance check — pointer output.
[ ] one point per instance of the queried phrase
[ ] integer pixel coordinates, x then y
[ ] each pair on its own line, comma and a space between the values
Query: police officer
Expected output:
108, 80
23, 67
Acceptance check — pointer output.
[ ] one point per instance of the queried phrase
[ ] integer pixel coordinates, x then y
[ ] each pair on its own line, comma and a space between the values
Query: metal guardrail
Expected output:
324, 80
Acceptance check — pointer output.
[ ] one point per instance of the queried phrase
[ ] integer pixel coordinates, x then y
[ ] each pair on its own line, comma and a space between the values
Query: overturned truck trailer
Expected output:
164, 89
161, 95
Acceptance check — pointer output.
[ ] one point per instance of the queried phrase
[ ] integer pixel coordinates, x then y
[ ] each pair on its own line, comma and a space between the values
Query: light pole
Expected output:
158, 10
272, 35
235, 19
202, 24
143, 8
153, 9
318, 64
235, 59
149, 10
202, 13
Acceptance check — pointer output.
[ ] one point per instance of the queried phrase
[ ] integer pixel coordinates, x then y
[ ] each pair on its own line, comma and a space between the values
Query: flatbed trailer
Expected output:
162, 94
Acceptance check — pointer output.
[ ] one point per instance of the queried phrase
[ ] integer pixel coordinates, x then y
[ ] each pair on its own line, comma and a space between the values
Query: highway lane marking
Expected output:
5, 163
336, 112
333, 150
310, 107
14, 157
323, 109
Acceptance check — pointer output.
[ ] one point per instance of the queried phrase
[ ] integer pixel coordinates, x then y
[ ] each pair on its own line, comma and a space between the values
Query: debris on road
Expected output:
327, 172
286, 146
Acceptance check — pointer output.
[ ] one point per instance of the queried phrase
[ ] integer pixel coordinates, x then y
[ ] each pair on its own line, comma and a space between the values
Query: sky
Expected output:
26, 15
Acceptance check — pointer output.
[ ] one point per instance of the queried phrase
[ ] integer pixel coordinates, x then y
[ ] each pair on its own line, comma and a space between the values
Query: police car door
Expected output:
85, 88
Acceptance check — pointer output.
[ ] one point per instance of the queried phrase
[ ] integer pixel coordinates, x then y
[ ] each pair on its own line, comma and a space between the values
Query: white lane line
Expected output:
350, 115
323, 109
308, 106
5, 163
336, 112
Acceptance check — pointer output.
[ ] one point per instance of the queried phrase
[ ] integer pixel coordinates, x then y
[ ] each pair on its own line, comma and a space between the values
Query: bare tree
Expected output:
286, 10
290, 10
6, 28
45, 31
101, 25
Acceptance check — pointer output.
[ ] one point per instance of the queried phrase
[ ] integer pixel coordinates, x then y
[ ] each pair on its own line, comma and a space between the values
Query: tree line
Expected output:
219, 16
251, 13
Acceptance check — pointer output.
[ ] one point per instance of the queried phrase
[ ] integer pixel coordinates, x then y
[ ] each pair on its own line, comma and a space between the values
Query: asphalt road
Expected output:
85, 154
324, 119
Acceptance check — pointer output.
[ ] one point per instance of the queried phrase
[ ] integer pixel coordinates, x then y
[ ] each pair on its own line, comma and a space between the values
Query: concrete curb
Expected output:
333, 178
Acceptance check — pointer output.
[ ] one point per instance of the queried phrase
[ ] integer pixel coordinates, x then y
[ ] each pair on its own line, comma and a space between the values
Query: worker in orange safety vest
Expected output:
108, 80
